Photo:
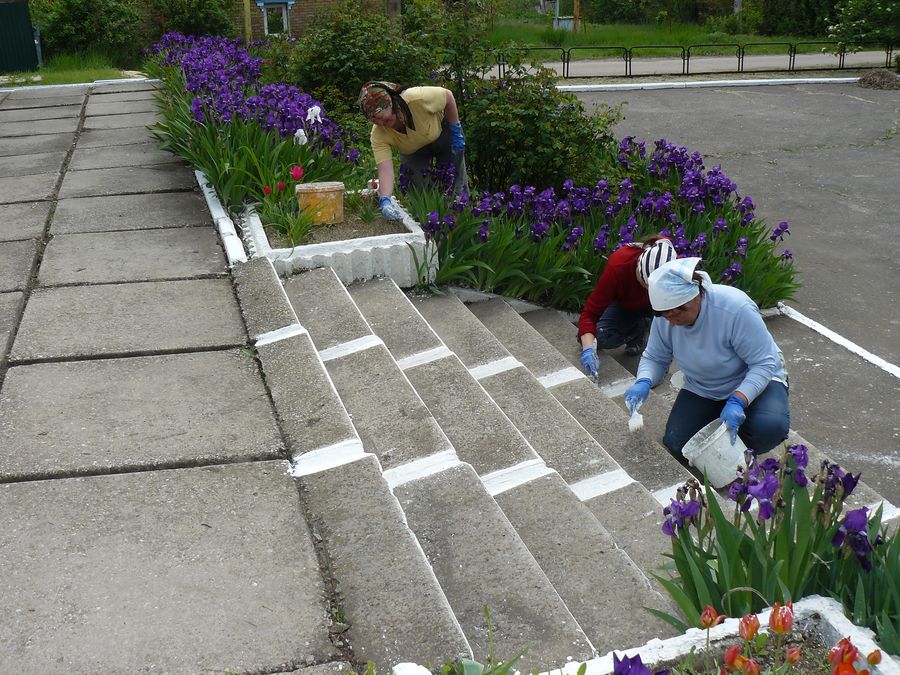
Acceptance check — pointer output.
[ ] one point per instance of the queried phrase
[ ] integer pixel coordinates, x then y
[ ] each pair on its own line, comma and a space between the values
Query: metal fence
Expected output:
789, 50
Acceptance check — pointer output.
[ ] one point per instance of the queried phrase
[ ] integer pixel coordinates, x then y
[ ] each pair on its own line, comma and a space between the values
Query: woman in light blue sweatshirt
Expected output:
733, 370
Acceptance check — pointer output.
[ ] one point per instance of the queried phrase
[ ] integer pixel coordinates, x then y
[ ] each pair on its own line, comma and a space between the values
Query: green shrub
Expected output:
616, 11
192, 17
106, 26
524, 130
808, 17
857, 20
554, 37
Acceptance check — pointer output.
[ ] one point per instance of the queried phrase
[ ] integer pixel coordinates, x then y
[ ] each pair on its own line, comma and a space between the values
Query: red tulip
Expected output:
782, 618
267, 190
296, 172
843, 652
280, 185
792, 655
844, 669
733, 659
752, 667
748, 626
709, 617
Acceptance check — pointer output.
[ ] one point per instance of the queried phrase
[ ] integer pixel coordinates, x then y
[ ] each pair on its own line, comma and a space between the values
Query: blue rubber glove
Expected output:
733, 415
457, 142
637, 394
388, 209
590, 360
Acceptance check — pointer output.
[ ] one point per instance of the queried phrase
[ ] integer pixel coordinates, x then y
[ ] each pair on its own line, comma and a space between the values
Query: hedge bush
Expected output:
106, 26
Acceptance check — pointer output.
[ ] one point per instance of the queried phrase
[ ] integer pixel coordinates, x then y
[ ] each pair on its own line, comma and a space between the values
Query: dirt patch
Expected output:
879, 79
353, 227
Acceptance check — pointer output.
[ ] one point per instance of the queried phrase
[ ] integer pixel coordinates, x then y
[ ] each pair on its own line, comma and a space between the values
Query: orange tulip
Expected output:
709, 617
843, 652
874, 657
733, 659
748, 626
844, 669
782, 618
792, 655
751, 668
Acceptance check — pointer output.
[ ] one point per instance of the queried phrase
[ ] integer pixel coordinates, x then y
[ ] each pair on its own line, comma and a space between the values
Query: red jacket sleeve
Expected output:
606, 290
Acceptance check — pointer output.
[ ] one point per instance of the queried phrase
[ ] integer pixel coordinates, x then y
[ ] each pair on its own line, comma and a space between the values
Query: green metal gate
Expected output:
17, 50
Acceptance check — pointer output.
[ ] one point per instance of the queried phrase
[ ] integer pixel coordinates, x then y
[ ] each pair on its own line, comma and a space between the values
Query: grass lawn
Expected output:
537, 33
68, 69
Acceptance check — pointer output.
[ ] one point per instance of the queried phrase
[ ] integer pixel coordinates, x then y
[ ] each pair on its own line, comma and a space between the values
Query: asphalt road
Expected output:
825, 158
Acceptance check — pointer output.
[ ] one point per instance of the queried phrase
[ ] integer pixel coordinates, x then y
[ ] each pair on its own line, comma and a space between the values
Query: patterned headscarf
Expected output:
377, 96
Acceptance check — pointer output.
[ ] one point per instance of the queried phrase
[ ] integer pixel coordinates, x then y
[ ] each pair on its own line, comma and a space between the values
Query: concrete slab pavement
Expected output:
127, 180
106, 157
130, 212
140, 255
98, 138
10, 307
44, 113
59, 99
100, 95
131, 318
26, 165
98, 106
29, 145
76, 417
23, 221
17, 260
35, 127
153, 570
121, 121
27, 188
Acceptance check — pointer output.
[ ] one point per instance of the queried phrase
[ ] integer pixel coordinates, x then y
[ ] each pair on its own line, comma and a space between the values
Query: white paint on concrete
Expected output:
839, 339
279, 334
617, 388
601, 484
494, 367
630, 86
421, 468
560, 377
665, 495
350, 347
498, 482
889, 511
327, 457
421, 358
234, 247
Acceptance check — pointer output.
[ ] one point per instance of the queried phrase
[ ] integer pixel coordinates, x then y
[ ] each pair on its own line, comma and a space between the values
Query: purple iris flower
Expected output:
629, 665
853, 533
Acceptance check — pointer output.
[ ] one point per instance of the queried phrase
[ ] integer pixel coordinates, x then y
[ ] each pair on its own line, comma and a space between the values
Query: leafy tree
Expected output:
193, 17
108, 26
866, 20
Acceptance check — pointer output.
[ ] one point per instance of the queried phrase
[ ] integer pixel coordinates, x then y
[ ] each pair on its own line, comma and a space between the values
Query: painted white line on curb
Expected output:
498, 482
421, 358
560, 377
421, 468
665, 495
601, 484
889, 511
234, 247
839, 339
279, 334
701, 84
328, 457
350, 347
494, 367
617, 388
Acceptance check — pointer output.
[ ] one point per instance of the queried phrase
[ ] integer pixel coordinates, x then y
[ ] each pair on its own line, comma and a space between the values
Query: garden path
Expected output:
823, 157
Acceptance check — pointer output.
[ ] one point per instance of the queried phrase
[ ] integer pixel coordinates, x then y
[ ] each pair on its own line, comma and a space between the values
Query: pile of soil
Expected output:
880, 79
353, 227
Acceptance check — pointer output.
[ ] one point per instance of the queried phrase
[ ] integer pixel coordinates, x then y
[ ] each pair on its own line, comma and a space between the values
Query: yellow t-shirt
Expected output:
427, 107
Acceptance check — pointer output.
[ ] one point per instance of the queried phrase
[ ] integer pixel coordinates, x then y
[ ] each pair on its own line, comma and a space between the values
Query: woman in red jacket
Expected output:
618, 309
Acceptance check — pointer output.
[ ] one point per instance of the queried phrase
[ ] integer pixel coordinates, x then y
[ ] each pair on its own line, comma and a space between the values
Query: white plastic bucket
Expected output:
711, 451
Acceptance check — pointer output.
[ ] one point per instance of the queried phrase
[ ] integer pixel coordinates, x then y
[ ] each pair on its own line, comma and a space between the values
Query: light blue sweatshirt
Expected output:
727, 349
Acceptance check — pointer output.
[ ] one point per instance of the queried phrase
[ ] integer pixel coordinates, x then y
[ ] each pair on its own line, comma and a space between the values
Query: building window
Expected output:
275, 18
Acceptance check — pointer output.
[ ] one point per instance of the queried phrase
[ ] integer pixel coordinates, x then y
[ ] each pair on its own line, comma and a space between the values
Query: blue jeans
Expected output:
767, 424
619, 326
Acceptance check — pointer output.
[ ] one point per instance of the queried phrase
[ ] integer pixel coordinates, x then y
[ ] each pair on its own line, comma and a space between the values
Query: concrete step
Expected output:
507, 461
388, 594
394, 423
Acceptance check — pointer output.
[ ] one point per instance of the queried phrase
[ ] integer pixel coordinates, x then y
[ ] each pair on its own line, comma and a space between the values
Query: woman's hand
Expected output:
457, 142
389, 210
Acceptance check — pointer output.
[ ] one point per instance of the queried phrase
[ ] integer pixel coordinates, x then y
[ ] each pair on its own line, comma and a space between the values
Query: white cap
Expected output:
671, 285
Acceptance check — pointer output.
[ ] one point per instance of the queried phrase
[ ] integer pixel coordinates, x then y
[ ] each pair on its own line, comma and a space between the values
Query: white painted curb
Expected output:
124, 80
628, 86
234, 248
824, 613
386, 255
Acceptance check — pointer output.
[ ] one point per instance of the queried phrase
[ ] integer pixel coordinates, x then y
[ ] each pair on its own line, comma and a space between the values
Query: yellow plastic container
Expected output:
324, 201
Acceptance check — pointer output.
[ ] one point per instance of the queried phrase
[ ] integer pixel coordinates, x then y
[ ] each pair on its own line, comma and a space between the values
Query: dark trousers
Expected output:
767, 424
441, 152
617, 327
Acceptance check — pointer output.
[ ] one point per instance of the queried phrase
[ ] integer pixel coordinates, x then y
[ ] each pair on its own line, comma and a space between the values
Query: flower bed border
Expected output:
825, 613
386, 255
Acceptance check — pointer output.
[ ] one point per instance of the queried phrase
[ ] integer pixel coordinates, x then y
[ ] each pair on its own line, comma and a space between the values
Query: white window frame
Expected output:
285, 22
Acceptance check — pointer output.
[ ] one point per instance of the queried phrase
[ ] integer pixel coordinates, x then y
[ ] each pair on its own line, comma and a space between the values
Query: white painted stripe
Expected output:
280, 334
665, 495
560, 377
839, 339
514, 476
328, 457
422, 358
601, 484
889, 511
703, 83
212, 200
617, 388
350, 347
421, 468
494, 367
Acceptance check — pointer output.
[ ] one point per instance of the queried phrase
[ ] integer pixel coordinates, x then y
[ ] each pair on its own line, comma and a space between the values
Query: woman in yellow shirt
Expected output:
423, 124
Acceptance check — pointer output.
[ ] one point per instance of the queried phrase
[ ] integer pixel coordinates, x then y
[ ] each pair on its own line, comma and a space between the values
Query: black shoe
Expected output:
634, 350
